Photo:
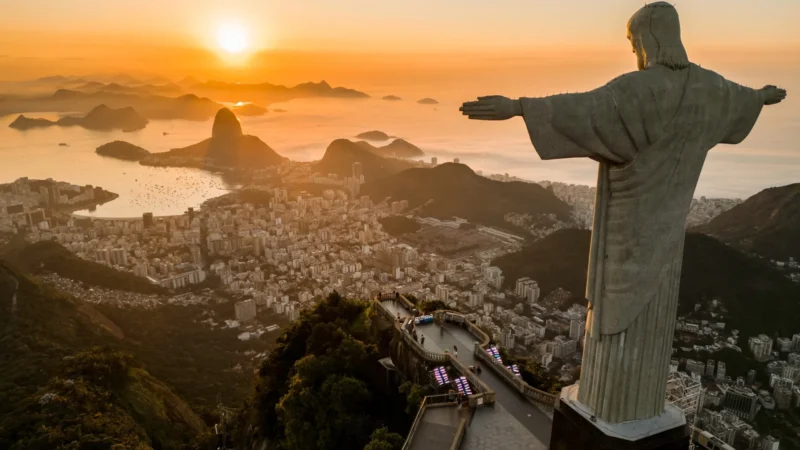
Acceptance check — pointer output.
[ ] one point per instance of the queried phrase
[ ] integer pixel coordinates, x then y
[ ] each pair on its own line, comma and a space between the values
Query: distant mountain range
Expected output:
342, 153
227, 147
767, 224
100, 118
759, 298
189, 106
271, 93
454, 189
154, 97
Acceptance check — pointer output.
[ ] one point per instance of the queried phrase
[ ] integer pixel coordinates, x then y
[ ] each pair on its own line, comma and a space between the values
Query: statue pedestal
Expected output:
573, 429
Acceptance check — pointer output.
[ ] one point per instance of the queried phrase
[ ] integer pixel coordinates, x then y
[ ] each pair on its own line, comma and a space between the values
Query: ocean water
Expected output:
769, 157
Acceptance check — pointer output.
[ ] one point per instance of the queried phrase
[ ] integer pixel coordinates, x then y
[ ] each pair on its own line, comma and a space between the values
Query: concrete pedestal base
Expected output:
573, 429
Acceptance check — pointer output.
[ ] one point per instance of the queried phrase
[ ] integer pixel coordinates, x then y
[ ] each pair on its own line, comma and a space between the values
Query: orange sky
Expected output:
414, 45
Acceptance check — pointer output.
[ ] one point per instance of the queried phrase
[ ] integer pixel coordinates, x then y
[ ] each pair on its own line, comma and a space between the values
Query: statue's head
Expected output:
655, 34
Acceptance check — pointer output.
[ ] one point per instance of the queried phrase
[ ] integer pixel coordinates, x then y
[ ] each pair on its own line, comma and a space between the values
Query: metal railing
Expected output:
519, 384
530, 392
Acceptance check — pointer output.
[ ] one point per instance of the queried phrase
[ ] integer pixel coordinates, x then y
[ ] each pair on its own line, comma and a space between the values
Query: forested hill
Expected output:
58, 389
322, 387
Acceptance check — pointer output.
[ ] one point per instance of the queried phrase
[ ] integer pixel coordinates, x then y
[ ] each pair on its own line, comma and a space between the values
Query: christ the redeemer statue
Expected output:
650, 131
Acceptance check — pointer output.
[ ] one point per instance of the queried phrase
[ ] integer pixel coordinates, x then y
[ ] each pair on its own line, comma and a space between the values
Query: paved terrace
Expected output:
513, 422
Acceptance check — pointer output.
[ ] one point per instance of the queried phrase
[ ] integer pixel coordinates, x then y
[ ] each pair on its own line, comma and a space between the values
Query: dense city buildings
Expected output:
276, 250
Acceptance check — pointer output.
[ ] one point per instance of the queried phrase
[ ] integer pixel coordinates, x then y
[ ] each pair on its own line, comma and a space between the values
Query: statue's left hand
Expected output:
492, 107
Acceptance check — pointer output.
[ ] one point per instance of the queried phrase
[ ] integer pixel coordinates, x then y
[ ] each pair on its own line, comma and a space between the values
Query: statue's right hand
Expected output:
773, 94
492, 107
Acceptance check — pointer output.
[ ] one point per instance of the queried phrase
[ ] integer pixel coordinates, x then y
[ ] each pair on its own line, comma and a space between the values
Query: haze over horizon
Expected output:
415, 50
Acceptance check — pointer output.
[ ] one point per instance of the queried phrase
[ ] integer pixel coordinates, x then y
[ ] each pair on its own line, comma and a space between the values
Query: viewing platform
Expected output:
506, 412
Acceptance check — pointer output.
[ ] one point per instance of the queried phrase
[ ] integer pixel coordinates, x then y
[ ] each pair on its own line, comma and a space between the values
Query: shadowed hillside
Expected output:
767, 224
455, 190
758, 298
342, 153
53, 257
95, 399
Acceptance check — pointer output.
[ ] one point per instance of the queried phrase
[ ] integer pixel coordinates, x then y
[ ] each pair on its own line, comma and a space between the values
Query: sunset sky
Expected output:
355, 41
452, 50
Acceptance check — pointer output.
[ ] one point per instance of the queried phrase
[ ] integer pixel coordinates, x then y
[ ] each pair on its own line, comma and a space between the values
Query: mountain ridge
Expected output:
342, 153
100, 118
768, 223
227, 147
456, 190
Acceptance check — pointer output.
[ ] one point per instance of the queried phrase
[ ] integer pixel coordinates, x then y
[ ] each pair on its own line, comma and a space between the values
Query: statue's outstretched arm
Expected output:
492, 107
772, 94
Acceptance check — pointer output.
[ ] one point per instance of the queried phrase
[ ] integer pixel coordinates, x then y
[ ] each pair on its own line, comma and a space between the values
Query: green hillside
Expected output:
60, 389
322, 387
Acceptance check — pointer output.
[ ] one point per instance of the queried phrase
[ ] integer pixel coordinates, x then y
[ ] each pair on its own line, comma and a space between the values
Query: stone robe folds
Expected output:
650, 131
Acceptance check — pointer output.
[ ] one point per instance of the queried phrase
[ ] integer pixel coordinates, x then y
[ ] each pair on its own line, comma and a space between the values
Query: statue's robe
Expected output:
650, 131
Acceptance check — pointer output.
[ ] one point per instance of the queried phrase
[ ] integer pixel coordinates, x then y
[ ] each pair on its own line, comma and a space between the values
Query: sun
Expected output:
232, 38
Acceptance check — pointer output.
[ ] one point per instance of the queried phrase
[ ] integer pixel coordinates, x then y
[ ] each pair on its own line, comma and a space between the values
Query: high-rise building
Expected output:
577, 329
442, 292
784, 344
796, 342
456, 160
710, 366
54, 194
770, 443
475, 299
783, 397
528, 289
34, 218
741, 401
507, 338
751, 376
720, 370
119, 257
245, 310
147, 219
357, 171
197, 257
520, 288
434, 161
791, 372
760, 345
695, 367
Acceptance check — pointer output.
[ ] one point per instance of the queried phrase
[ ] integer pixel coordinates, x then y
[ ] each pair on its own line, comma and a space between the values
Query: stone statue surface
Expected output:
650, 131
